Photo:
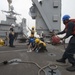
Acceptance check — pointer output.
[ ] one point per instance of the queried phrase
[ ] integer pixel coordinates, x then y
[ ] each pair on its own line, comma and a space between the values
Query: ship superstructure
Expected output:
20, 29
47, 14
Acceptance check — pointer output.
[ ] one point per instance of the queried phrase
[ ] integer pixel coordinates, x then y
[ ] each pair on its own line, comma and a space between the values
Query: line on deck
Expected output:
14, 51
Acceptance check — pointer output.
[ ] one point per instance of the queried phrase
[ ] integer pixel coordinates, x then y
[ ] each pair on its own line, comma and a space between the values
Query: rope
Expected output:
31, 62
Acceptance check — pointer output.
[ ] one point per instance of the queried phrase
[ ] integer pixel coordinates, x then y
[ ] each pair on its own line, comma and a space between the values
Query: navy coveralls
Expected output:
70, 50
11, 38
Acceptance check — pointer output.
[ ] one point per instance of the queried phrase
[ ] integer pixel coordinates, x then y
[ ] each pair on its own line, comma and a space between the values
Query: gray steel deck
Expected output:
31, 62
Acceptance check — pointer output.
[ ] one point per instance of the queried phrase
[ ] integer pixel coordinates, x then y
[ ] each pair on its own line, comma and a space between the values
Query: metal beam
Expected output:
42, 13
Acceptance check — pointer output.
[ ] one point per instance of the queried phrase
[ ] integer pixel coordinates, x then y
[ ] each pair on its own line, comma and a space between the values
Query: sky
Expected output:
67, 7
22, 7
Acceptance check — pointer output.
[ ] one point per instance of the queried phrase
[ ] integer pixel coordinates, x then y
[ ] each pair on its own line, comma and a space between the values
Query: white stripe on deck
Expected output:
14, 51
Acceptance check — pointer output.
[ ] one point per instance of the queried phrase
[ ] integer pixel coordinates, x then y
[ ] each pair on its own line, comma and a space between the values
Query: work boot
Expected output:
61, 60
12, 46
29, 50
71, 69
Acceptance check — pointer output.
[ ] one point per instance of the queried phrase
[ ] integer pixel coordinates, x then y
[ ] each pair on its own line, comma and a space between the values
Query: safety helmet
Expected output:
65, 17
37, 40
32, 26
13, 25
1, 42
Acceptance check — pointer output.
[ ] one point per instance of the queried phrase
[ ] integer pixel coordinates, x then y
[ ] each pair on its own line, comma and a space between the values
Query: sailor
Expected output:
31, 45
12, 27
42, 36
11, 36
1, 42
40, 46
31, 33
70, 50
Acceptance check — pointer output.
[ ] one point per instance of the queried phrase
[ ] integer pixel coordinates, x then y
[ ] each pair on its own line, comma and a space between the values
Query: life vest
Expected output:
42, 43
71, 20
32, 33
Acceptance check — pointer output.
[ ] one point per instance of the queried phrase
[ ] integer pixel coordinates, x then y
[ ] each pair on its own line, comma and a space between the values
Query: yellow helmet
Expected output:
1, 42
32, 26
37, 40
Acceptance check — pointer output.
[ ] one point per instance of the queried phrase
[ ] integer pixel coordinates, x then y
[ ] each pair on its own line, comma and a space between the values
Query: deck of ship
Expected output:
31, 63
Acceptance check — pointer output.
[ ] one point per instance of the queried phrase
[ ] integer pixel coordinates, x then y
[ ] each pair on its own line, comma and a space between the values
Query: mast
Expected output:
9, 3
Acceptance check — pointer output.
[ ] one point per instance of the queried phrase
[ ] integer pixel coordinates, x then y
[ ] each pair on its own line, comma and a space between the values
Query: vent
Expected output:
55, 18
55, 4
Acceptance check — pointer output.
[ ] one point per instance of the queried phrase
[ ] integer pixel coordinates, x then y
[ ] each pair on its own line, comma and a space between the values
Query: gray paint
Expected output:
11, 19
48, 15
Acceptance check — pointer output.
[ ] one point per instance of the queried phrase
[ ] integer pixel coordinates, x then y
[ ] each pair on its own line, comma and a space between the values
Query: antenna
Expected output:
9, 2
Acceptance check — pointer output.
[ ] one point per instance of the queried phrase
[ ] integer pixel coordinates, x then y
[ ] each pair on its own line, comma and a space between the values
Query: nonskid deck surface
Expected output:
31, 63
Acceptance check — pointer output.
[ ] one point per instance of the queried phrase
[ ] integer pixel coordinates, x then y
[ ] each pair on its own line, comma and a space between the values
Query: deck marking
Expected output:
14, 51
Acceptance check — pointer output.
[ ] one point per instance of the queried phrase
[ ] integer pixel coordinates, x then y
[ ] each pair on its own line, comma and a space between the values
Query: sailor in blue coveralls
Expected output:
11, 36
70, 50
